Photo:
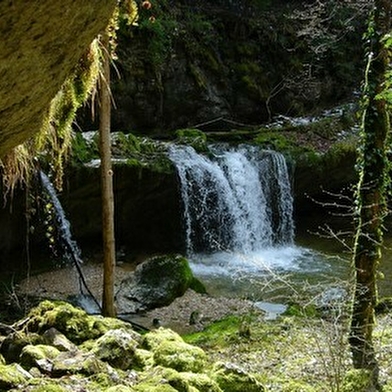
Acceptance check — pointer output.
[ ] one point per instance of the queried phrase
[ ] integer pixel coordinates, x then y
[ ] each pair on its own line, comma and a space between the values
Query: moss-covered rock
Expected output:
73, 322
56, 339
78, 363
234, 379
180, 381
159, 281
31, 354
153, 339
12, 376
117, 347
13, 344
120, 388
192, 137
180, 356
170, 350
48, 386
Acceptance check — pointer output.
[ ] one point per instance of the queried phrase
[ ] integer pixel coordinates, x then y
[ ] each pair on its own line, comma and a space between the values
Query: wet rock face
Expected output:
41, 41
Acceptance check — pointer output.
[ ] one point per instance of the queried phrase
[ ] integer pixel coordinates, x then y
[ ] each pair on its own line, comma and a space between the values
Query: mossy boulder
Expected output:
79, 363
159, 281
12, 376
153, 339
13, 344
192, 137
170, 350
73, 322
234, 379
48, 386
31, 354
180, 356
117, 347
56, 339
180, 381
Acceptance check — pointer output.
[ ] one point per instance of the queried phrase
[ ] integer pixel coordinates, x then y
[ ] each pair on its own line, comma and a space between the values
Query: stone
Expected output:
58, 340
117, 347
180, 356
159, 281
232, 378
41, 43
31, 354
76, 325
12, 376
78, 363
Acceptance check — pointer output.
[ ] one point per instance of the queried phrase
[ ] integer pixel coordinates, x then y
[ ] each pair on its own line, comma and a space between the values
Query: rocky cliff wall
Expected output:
243, 60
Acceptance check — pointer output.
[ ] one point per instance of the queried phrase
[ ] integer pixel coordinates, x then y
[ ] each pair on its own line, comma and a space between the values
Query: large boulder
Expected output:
41, 42
158, 282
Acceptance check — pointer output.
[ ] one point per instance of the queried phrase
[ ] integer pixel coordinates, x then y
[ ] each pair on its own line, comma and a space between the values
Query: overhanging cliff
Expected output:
41, 41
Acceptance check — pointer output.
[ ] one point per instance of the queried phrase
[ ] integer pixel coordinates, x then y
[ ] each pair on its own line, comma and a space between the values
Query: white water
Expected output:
238, 209
72, 250
237, 199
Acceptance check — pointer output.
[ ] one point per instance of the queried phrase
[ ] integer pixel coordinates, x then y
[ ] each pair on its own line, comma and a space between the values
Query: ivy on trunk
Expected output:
371, 193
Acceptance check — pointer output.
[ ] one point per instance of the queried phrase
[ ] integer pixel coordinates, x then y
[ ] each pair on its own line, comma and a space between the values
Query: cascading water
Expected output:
238, 211
72, 251
236, 199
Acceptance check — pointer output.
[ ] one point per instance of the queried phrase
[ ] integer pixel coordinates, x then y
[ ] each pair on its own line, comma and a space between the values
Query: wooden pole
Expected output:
109, 257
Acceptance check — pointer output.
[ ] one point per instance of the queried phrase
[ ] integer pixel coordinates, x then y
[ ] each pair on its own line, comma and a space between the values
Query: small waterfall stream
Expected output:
72, 252
236, 199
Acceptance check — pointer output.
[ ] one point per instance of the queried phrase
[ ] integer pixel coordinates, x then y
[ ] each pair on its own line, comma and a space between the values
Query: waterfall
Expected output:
235, 199
72, 250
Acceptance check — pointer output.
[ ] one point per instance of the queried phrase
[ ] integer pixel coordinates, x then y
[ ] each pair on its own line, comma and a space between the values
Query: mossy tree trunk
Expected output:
371, 192
108, 307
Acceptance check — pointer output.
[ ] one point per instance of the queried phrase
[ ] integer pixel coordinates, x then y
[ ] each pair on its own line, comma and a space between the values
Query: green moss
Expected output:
120, 388
275, 140
153, 339
84, 151
117, 347
143, 359
49, 386
219, 334
12, 376
234, 379
198, 286
73, 322
173, 380
192, 137
297, 386
13, 344
31, 354
297, 310
358, 380
180, 356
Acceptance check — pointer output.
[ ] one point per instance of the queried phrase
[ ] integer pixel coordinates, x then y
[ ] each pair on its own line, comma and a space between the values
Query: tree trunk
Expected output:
371, 194
108, 307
